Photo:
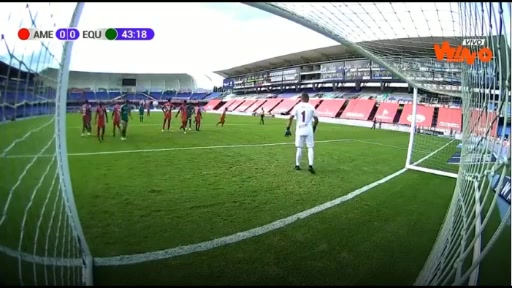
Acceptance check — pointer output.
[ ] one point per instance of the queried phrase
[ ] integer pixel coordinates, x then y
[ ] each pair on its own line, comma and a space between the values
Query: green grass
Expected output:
188, 192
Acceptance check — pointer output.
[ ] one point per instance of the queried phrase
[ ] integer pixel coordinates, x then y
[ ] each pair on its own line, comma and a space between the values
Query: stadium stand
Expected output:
22, 95
376, 97
17, 102
361, 101
386, 104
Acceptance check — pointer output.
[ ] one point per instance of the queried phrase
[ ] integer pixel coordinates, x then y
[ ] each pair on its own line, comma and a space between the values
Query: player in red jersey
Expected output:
199, 116
167, 109
116, 119
148, 107
222, 118
86, 118
100, 120
183, 112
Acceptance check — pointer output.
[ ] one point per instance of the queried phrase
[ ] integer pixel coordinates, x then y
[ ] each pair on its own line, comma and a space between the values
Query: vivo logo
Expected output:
473, 42
462, 54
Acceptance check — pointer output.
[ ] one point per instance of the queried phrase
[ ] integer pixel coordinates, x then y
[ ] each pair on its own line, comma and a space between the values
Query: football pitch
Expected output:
224, 206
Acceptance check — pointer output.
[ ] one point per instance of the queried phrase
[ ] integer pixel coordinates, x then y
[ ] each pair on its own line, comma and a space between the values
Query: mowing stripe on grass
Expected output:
207, 245
205, 147
178, 149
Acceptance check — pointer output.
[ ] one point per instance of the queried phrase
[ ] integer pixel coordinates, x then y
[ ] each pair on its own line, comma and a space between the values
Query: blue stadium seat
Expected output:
102, 95
135, 97
13, 97
8, 112
73, 96
182, 96
197, 96
90, 95
288, 95
214, 95
114, 94
155, 94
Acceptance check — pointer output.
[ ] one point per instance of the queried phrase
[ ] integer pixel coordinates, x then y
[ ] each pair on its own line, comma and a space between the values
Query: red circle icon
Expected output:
23, 34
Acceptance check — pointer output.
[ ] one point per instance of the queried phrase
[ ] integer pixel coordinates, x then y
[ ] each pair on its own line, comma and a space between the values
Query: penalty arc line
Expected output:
211, 244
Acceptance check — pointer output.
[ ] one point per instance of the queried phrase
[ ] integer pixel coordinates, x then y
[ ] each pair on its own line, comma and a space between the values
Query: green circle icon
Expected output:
111, 34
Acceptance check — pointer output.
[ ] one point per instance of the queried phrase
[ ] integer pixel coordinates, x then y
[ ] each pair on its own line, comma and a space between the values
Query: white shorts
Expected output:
309, 139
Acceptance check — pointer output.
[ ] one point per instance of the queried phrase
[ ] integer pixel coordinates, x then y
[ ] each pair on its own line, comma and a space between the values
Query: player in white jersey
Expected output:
306, 122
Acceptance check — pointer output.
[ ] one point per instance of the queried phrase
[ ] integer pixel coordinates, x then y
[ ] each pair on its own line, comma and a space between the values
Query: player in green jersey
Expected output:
126, 112
141, 112
190, 112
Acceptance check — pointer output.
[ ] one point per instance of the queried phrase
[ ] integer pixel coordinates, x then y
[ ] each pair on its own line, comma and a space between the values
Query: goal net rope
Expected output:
41, 242
401, 38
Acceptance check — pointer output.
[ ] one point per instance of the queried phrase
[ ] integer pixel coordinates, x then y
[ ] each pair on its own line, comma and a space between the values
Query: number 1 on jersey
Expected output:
303, 113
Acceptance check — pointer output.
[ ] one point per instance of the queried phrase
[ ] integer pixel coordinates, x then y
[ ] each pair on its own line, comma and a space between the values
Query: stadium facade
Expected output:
364, 90
96, 81
347, 86
26, 94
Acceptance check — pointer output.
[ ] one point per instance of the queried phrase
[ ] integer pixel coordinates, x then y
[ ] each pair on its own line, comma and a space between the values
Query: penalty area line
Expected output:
207, 245
138, 125
234, 238
178, 149
237, 237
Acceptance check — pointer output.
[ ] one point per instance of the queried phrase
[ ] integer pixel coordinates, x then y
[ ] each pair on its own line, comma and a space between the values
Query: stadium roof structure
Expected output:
404, 47
8, 71
110, 74
185, 80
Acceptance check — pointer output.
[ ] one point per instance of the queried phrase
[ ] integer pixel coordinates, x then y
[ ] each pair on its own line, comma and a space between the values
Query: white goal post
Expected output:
41, 237
414, 130
62, 151
481, 157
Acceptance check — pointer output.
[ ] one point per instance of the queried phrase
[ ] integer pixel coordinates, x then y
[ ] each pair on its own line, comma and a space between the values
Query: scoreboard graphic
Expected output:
228, 83
72, 34
357, 70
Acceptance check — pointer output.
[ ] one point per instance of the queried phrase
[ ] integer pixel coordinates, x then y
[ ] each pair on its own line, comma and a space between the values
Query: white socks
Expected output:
311, 156
298, 156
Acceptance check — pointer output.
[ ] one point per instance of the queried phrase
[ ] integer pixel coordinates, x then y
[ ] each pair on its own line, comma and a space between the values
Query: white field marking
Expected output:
202, 124
234, 238
67, 262
4, 153
204, 147
380, 144
207, 245
178, 149
9, 122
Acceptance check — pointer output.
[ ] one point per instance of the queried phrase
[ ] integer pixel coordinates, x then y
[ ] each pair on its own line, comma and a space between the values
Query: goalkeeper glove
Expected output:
288, 132
314, 129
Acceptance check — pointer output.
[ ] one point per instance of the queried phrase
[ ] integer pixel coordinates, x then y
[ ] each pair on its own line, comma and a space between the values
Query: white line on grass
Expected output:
203, 148
207, 245
215, 243
156, 124
380, 144
179, 148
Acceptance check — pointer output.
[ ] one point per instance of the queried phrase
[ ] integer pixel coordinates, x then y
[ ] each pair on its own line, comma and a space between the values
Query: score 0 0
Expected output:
69, 34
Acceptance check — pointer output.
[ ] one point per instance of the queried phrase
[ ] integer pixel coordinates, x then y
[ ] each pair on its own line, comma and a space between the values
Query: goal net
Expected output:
41, 242
456, 108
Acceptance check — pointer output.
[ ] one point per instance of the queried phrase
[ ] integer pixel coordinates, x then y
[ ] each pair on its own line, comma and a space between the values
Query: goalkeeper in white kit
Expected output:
306, 122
